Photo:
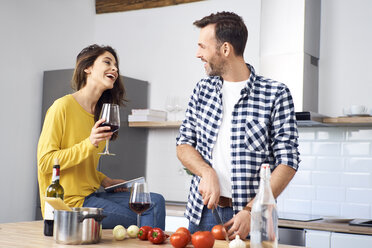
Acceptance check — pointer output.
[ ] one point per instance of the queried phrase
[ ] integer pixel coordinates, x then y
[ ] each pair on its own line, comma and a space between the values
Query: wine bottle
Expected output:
54, 190
264, 215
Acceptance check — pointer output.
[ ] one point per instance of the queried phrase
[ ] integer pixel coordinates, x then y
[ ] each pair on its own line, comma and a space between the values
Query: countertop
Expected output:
179, 209
30, 234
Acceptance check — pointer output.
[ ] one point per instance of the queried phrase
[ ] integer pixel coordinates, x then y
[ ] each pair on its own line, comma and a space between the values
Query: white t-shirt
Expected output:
221, 155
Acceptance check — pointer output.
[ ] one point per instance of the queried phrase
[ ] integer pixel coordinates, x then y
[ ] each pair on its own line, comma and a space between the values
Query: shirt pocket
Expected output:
256, 136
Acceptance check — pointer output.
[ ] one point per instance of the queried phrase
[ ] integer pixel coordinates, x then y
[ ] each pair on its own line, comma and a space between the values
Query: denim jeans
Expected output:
116, 208
207, 221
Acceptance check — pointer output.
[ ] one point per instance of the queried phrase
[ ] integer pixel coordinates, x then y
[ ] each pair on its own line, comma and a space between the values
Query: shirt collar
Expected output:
218, 80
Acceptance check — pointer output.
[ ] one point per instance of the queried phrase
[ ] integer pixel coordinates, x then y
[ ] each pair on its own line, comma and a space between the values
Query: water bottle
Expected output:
264, 215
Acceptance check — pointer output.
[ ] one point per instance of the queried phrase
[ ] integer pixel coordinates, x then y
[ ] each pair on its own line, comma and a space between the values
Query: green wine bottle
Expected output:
54, 190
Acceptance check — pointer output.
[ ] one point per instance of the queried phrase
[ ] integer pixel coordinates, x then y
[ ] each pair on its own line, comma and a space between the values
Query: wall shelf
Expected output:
152, 124
357, 121
349, 121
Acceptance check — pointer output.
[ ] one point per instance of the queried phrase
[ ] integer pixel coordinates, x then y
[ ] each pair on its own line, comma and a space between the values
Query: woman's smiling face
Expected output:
104, 71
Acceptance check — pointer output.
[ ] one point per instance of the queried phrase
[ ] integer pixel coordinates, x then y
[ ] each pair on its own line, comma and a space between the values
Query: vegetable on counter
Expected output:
219, 232
133, 231
143, 232
119, 232
202, 239
237, 243
156, 236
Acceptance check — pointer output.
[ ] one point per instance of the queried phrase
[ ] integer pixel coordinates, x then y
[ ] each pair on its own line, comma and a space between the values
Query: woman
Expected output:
72, 133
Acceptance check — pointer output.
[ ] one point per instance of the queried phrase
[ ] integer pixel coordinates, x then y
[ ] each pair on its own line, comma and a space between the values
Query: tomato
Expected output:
185, 231
202, 239
156, 236
143, 231
179, 239
219, 232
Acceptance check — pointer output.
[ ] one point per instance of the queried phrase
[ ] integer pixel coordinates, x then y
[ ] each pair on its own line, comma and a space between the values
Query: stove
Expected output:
298, 217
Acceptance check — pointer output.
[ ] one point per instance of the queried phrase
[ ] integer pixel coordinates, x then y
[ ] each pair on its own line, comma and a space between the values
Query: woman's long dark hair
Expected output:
86, 59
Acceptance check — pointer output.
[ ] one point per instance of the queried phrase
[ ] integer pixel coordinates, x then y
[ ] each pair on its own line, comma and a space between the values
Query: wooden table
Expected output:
30, 234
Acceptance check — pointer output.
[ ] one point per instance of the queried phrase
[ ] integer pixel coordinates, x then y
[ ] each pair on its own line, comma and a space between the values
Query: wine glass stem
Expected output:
107, 146
138, 220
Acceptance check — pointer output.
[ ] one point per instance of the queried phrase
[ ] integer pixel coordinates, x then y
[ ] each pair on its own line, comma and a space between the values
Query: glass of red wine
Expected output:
139, 200
110, 112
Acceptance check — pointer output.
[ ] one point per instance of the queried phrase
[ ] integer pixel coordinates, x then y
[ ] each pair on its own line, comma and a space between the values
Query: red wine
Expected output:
139, 207
114, 128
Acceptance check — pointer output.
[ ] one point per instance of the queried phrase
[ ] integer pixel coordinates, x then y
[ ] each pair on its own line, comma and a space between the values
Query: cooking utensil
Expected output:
57, 203
79, 226
218, 218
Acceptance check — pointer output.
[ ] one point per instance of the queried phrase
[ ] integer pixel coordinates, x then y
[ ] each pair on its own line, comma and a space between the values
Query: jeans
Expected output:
116, 209
208, 221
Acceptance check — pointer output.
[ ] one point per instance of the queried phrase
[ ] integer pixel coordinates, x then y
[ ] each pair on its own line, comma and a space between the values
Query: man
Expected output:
235, 121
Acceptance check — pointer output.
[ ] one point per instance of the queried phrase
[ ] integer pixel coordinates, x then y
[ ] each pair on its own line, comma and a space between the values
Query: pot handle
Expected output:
97, 217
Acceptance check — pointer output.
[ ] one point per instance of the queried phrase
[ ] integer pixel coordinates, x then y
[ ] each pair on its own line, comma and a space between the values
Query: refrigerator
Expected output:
131, 145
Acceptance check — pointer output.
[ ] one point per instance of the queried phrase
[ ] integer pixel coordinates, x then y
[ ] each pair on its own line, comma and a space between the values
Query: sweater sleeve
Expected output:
49, 146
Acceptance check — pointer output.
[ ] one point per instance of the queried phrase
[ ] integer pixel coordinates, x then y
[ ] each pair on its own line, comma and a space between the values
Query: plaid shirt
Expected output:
264, 130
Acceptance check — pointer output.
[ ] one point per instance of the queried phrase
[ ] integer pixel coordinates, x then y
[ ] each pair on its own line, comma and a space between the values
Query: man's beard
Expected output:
216, 66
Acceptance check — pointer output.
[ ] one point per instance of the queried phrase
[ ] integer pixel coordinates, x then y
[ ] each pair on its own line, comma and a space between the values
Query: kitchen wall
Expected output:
36, 35
335, 175
159, 45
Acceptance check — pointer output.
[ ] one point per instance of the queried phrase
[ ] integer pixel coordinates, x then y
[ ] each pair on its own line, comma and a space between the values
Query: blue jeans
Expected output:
116, 208
207, 221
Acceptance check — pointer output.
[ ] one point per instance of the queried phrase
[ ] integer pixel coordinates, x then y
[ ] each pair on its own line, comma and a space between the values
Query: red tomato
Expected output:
185, 231
203, 239
179, 239
143, 231
218, 232
156, 236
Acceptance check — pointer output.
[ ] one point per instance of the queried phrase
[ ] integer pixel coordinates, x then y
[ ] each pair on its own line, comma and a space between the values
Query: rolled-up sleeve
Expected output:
284, 134
187, 132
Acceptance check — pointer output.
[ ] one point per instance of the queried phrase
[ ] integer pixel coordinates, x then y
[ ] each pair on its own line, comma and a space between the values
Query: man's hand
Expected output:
240, 224
209, 188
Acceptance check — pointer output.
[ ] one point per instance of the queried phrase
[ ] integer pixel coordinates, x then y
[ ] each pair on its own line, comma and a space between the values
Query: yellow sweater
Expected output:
65, 135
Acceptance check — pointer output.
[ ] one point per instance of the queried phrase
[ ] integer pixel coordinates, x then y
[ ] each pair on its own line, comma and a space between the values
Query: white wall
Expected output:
159, 46
335, 175
35, 36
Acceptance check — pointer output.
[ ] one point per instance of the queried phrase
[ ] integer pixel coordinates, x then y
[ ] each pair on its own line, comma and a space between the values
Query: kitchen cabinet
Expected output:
318, 239
343, 240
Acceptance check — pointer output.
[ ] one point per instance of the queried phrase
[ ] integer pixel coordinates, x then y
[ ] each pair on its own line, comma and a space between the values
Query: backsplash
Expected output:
335, 174
334, 177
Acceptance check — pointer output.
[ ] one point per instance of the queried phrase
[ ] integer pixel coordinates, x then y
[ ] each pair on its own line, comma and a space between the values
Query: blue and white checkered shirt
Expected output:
264, 130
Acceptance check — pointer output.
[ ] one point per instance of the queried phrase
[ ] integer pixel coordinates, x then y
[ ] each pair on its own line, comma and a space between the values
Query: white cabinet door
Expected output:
345, 240
318, 239
172, 223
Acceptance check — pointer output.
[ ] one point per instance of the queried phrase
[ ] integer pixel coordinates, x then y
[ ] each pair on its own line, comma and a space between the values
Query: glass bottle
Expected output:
264, 215
55, 189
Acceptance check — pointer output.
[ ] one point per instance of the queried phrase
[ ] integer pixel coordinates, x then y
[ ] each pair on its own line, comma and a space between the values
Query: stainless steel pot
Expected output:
79, 226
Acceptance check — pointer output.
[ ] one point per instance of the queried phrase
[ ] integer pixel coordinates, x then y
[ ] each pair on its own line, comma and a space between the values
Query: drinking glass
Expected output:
139, 200
170, 107
110, 112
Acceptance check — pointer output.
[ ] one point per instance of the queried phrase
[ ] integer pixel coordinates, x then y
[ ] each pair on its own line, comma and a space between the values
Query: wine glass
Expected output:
169, 107
110, 112
140, 199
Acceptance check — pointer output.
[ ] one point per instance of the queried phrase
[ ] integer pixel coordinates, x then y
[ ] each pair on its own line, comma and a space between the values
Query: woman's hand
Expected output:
107, 182
99, 134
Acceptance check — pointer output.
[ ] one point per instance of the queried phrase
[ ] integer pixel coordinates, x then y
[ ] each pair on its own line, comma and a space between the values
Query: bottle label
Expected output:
48, 212
55, 174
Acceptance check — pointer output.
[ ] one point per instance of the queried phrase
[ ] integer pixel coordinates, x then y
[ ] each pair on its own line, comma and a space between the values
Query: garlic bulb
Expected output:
237, 243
